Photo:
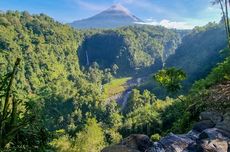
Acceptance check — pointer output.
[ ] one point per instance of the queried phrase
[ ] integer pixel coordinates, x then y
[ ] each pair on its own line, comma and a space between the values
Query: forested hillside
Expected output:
59, 107
145, 49
130, 48
49, 82
47, 49
49, 102
203, 113
199, 52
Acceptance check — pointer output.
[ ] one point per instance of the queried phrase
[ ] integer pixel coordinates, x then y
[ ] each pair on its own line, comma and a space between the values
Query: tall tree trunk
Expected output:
7, 128
227, 20
9, 88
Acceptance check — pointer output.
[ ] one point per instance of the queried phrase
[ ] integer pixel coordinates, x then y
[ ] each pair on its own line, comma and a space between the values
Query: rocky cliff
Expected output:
210, 134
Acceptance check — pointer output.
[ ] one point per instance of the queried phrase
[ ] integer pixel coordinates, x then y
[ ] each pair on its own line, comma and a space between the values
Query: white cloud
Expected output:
168, 24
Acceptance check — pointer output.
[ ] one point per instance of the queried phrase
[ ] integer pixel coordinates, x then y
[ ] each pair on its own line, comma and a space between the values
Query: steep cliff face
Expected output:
132, 49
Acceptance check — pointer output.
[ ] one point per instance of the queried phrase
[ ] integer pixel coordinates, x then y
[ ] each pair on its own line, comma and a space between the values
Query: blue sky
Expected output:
184, 13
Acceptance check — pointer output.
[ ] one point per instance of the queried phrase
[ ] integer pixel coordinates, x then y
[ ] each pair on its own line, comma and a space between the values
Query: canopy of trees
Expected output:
130, 48
54, 105
199, 52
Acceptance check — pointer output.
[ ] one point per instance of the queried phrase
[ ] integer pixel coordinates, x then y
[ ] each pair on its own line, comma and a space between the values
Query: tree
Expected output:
170, 78
10, 123
134, 101
224, 5
91, 139
95, 74
114, 69
4, 22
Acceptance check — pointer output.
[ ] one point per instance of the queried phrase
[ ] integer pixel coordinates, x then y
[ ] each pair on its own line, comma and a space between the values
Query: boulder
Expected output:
175, 143
211, 134
202, 125
119, 148
213, 140
137, 141
215, 145
225, 124
207, 145
193, 135
157, 147
214, 133
215, 117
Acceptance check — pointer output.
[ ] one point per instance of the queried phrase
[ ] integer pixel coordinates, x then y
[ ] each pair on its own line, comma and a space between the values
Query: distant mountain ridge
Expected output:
115, 16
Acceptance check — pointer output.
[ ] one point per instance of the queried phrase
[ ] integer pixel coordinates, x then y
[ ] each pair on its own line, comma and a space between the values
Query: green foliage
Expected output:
184, 123
114, 87
147, 115
201, 89
51, 81
197, 100
62, 144
91, 138
142, 120
130, 48
114, 69
97, 76
218, 74
69, 103
20, 129
9, 109
4, 22
155, 137
199, 52
137, 100
170, 78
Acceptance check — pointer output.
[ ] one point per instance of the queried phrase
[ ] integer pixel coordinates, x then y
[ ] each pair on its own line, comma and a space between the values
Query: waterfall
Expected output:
125, 99
87, 58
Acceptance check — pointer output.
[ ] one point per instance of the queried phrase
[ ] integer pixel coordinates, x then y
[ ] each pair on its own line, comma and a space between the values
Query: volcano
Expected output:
115, 16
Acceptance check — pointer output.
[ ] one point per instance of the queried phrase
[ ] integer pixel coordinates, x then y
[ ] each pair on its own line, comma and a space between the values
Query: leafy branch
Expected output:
9, 126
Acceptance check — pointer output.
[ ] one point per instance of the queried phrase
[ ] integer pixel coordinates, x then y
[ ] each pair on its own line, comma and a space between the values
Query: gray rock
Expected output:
175, 143
194, 135
119, 148
225, 124
202, 125
214, 133
215, 117
157, 147
137, 141
216, 145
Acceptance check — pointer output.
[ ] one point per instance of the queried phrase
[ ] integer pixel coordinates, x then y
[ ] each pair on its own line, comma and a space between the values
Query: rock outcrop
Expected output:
133, 143
211, 134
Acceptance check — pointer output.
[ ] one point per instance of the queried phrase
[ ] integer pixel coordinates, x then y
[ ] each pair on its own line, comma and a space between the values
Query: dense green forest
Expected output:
200, 50
49, 78
205, 45
131, 48
59, 104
